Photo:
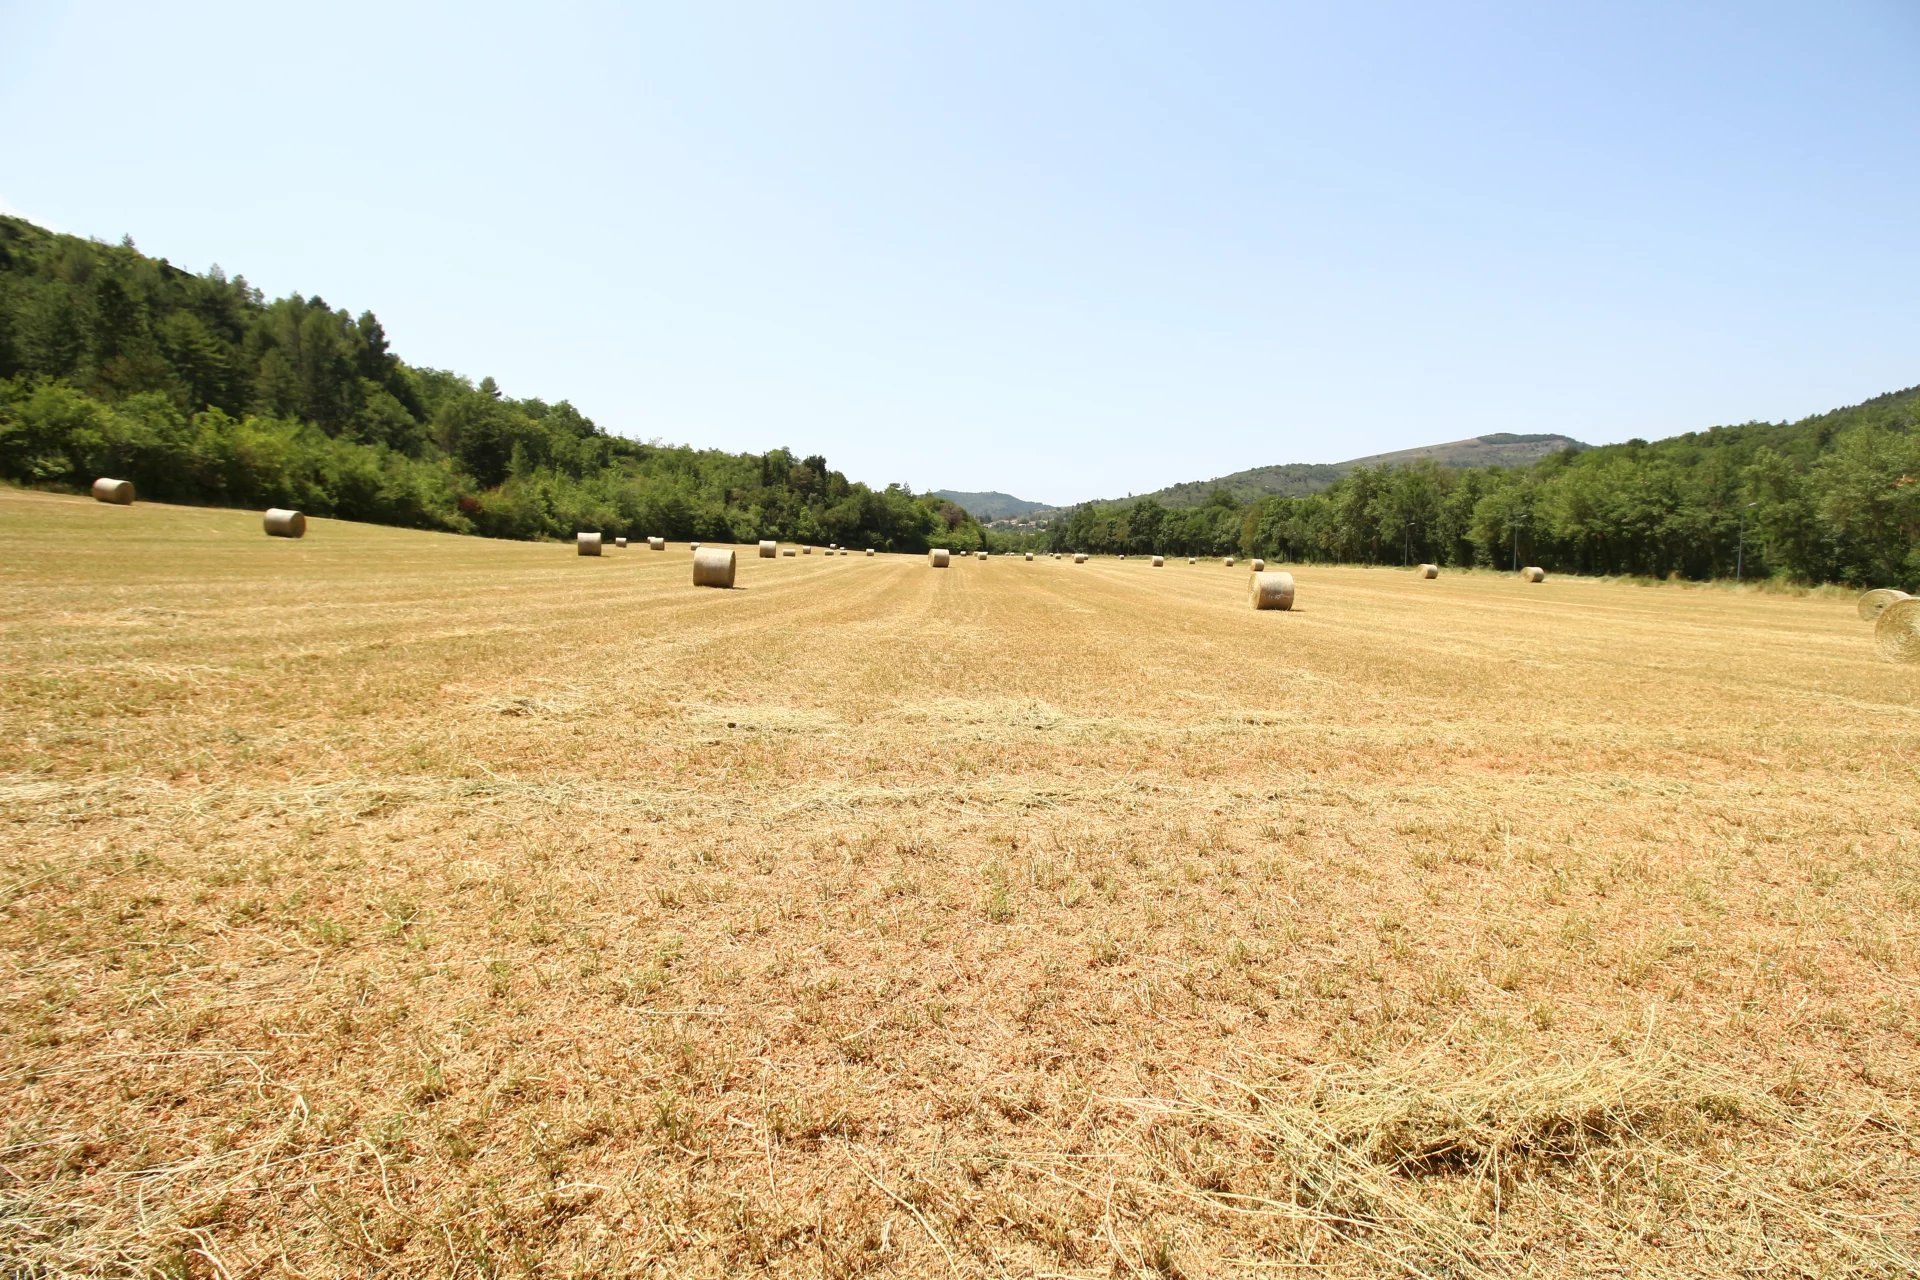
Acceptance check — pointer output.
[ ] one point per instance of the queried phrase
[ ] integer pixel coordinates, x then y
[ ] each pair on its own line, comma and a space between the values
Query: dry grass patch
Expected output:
359, 919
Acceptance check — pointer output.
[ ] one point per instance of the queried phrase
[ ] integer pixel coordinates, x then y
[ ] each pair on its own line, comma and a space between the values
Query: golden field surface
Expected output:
391, 903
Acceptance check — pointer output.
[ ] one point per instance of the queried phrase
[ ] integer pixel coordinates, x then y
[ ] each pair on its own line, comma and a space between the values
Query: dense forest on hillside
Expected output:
198, 389
1298, 479
1832, 498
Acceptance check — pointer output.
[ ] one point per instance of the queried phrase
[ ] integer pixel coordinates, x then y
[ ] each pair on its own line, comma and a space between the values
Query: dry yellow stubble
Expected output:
390, 903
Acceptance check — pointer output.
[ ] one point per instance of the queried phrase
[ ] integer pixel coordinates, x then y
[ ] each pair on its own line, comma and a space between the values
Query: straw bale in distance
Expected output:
657, 544
1272, 590
620, 543
587, 544
1230, 562
1429, 570
1533, 573
789, 551
869, 550
713, 567
768, 549
117, 492
1079, 557
1259, 566
1872, 602
282, 523
1159, 562
980, 555
939, 557
1029, 555
1897, 632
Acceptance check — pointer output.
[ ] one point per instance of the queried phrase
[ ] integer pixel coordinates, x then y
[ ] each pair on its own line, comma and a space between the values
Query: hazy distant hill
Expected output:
1296, 479
992, 506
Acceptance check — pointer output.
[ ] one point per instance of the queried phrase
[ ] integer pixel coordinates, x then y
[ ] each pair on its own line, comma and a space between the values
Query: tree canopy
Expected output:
198, 389
1832, 498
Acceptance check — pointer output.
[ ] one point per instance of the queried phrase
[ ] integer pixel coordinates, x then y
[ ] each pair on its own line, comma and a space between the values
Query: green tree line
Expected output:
198, 389
1832, 498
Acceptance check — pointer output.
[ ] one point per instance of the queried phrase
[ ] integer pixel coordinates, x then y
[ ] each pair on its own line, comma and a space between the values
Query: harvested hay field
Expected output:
394, 904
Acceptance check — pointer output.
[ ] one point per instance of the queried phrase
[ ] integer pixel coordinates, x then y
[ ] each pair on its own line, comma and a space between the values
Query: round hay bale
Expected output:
657, 544
1029, 556
869, 550
1259, 566
1870, 604
1533, 573
693, 546
713, 567
117, 492
282, 523
621, 543
1193, 559
768, 549
1079, 557
1897, 632
1123, 555
979, 555
939, 557
1272, 590
1159, 562
1230, 562
789, 552
587, 544
806, 551
1429, 570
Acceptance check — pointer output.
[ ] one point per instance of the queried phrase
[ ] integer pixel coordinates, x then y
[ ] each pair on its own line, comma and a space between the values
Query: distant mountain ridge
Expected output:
992, 505
1297, 479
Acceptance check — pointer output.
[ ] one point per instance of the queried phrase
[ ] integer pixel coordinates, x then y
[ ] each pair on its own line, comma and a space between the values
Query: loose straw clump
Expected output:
1897, 633
1272, 591
1872, 603
939, 557
1533, 573
713, 567
117, 492
1429, 570
282, 523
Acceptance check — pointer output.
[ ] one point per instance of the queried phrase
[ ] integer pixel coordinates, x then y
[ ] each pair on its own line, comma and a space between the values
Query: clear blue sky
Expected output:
1065, 251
